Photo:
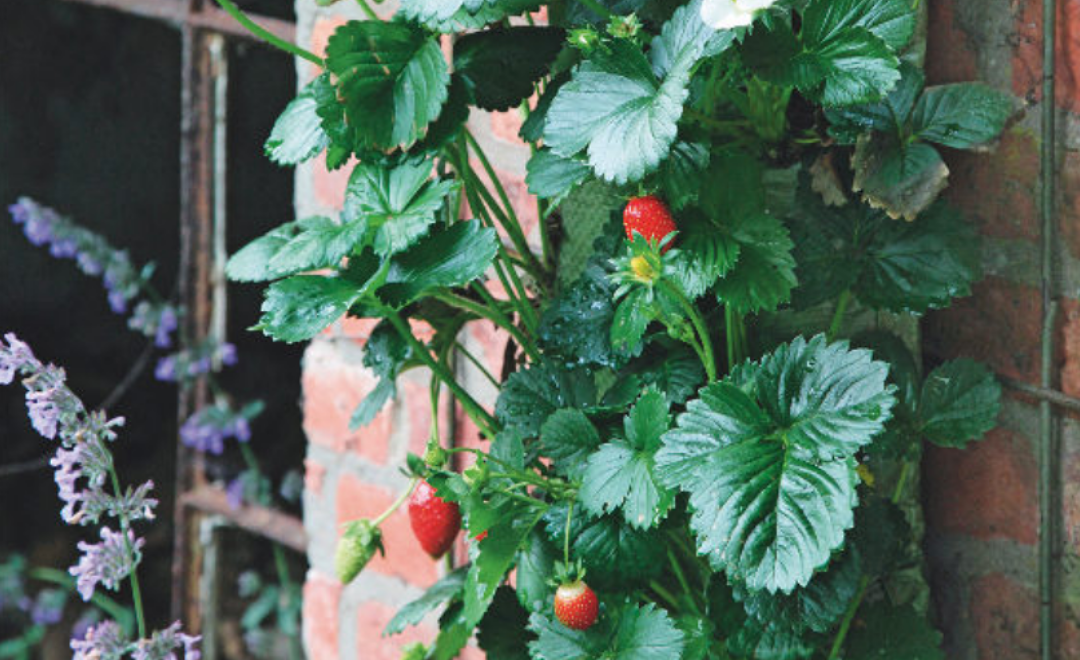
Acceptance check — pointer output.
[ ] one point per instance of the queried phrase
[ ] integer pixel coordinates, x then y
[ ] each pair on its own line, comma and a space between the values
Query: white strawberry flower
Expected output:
727, 14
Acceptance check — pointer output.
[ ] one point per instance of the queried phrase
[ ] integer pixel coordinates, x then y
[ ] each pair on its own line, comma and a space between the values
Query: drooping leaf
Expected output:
385, 353
962, 115
252, 262
496, 556
500, 65
767, 465
445, 257
959, 403
395, 206
446, 589
530, 396
883, 631
903, 180
629, 322
552, 176
298, 134
392, 79
535, 566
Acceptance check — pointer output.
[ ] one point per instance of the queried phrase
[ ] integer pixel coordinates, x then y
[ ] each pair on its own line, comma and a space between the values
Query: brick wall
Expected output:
357, 474
982, 503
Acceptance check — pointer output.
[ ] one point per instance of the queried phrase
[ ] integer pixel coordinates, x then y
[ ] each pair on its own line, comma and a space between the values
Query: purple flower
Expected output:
164, 644
44, 411
166, 369
89, 264
208, 428
13, 357
106, 563
48, 607
105, 641
167, 324
86, 620
234, 493
194, 362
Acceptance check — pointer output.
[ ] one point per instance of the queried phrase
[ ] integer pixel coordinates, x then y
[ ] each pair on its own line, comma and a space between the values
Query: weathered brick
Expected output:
332, 391
997, 192
314, 473
987, 490
1000, 324
1027, 60
371, 619
404, 557
949, 55
1004, 615
506, 125
329, 184
321, 597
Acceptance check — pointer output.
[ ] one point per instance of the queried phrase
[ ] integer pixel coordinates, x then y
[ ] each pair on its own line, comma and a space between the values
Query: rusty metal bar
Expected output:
196, 204
263, 521
177, 13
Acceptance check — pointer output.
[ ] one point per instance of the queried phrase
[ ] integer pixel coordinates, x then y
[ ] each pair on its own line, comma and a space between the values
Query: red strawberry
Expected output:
650, 217
434, 522
576, 605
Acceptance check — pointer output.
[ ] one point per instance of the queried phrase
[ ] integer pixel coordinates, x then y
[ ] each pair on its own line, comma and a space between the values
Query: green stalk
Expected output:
691, 312
849, 617
483, 419
493, 314
368, 10
677, 569
838, 315
396, 503
492, 303
115, 610
133, 577
269, 37
566, 538
476, 363
664, 593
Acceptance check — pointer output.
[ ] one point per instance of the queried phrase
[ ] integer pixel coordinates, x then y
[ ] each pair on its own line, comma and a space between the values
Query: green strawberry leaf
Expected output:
681, 173
767, 465
961, 116
387, 354
577, 323
615, 554
883, 631
892, 21
331, 113
671, 367
530, 396
392, 79
685, 38
615, 108
639, 633
629, 322
395, 206
535, 566
445, 590
619, 475
960, 402
300, 307
320, 243
500, 65
890, 115
902, 179
496, 555
567, 437
298, 134
764, 274
552, 176
252, 262
445, 257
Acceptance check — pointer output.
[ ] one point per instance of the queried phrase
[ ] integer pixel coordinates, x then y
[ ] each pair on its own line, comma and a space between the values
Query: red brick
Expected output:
330, 185
404, 557
987, 490
321, 598
1027, 58
1005, 617
1069, 314
1000, 324
493, 344
505, 125
1069, 182
949, 55
314, 474
332, 391
320, 36
998, 192
371, 620
417, 400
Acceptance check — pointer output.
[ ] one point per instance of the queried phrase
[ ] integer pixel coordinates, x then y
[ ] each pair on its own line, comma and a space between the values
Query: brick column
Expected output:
357, 474
982, 503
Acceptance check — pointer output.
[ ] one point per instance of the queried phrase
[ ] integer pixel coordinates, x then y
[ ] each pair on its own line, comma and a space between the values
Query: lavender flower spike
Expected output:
13, 357
105, 641
106, 563
164, 644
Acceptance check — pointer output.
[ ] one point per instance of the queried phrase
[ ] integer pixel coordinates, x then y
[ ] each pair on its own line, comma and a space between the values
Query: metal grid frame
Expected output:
203, 28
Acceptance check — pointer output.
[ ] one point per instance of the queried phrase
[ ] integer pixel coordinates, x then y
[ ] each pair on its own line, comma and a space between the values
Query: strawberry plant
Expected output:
695, 413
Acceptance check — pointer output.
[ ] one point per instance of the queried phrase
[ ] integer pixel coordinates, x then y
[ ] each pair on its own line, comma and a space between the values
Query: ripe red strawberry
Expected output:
650, 217
435, 523
576, 605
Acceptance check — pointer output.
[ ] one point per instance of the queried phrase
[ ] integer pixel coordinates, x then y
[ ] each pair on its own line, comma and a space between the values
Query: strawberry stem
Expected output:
566, 539
706, 355
397, 503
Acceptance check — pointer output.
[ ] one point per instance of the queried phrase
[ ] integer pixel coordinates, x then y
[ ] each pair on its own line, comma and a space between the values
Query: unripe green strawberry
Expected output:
355, 549
414, 651
650, 217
